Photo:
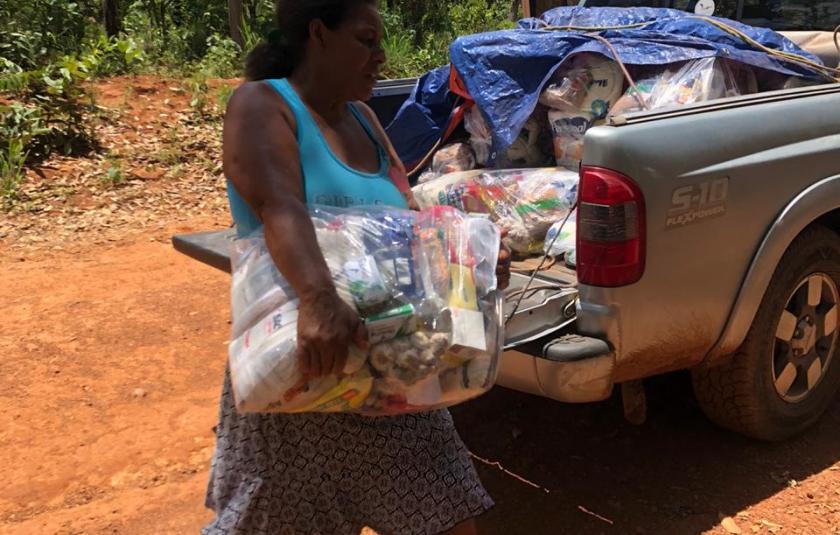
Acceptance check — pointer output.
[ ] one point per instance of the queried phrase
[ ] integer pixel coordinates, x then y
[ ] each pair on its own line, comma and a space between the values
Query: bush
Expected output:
35, 32
48, 110
108, 57
413, 52
223, 58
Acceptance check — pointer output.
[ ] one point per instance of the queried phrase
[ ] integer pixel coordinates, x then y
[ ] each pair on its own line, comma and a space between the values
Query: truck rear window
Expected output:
789, 15
780, 15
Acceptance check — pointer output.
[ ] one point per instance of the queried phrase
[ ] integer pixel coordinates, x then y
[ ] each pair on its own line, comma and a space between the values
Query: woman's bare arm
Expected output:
261, 158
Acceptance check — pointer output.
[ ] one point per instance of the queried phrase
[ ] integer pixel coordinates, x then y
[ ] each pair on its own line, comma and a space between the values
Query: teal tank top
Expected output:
326, 180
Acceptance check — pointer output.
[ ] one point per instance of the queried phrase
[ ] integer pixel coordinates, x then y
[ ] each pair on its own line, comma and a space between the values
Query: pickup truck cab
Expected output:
708, 240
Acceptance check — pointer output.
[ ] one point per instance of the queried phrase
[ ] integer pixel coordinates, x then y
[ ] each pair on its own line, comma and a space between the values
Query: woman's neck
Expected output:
319, 95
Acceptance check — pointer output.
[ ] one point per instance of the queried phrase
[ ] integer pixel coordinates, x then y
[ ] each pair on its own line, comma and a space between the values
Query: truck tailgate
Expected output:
547, 308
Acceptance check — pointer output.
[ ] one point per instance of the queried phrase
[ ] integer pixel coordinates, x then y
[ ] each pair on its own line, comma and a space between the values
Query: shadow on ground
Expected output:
676, 474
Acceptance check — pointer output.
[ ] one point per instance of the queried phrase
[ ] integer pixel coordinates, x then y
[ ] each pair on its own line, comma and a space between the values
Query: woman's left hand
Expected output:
503, 265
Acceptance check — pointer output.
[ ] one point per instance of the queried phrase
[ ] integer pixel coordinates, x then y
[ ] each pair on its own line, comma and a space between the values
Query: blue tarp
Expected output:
505, 71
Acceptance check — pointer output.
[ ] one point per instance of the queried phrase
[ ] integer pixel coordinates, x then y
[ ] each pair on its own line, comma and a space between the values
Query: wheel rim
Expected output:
806, 336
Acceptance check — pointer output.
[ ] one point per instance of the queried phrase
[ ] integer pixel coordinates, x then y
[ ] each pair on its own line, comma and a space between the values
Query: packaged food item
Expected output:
453, 158
525, 202
568, 94
423, 283
568, 130
633, 100
256, 288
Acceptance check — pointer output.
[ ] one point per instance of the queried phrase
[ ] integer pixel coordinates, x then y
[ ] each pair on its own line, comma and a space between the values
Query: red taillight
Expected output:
611, 229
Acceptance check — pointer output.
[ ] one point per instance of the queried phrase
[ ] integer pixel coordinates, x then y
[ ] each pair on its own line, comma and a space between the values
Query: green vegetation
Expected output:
51, 49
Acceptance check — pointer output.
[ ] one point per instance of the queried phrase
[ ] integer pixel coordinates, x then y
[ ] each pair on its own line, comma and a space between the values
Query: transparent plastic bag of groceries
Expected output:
689, 83
525, 202
452, 158
424, 283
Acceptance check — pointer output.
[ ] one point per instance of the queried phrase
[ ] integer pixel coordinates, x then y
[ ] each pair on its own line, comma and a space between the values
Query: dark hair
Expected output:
282, 52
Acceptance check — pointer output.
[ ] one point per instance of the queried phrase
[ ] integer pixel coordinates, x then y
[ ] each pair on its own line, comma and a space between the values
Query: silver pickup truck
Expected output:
709, 240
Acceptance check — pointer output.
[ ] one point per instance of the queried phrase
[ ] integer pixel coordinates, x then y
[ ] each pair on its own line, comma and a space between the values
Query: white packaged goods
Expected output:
423, 283
568, 131
589, 85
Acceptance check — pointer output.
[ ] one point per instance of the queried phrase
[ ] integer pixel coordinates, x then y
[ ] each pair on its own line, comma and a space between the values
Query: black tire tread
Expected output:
728, 393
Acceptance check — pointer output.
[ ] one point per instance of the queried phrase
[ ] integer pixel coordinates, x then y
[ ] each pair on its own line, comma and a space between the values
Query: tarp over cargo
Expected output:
504, 71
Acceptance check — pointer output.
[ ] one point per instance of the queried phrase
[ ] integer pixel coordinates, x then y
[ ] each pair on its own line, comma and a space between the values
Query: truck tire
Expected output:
787, 371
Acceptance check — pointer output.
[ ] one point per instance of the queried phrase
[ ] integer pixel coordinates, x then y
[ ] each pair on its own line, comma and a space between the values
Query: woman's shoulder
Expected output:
367, 111
258, 99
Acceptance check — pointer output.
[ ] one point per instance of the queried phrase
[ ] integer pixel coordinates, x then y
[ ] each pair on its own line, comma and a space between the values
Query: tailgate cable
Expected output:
545, 258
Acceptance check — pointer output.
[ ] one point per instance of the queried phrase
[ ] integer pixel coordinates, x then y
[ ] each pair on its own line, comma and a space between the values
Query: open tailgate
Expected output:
547, 308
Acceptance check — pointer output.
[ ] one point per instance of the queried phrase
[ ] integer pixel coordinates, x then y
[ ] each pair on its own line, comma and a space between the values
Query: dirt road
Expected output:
113, 363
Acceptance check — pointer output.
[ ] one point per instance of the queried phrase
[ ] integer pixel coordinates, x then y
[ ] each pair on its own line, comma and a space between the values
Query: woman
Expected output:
296, 134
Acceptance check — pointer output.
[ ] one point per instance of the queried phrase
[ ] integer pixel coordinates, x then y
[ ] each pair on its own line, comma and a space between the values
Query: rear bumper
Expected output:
572, 369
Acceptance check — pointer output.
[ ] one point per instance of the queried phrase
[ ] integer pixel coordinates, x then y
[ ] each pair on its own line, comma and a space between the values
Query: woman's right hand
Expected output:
326, 328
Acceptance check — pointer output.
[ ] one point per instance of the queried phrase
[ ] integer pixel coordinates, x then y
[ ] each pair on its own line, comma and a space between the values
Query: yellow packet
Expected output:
348, 395
462, 294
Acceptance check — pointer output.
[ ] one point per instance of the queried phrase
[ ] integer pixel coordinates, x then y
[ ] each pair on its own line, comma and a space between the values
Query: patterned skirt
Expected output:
332, 474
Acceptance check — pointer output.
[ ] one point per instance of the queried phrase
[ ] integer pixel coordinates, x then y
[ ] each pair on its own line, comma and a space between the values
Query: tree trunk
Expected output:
111, 17
514, 9
235, 13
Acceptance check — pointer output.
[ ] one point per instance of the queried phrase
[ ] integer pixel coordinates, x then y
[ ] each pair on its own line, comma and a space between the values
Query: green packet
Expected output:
390, 324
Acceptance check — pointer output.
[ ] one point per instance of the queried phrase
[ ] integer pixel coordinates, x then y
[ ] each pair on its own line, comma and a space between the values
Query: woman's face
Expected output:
353, 51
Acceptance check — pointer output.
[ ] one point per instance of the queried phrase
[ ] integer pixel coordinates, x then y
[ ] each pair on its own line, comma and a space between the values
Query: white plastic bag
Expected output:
531, 148
424, 284
481, 139
566, 241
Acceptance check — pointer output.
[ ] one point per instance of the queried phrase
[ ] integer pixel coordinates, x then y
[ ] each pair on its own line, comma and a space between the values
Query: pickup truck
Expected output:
708, 240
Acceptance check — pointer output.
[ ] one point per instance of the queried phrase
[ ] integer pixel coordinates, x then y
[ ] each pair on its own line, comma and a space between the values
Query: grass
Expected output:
114, 174
12, 161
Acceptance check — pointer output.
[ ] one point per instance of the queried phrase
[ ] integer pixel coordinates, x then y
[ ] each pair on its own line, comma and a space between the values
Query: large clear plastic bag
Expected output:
525, 202
452, 158
695, 81
423, 282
